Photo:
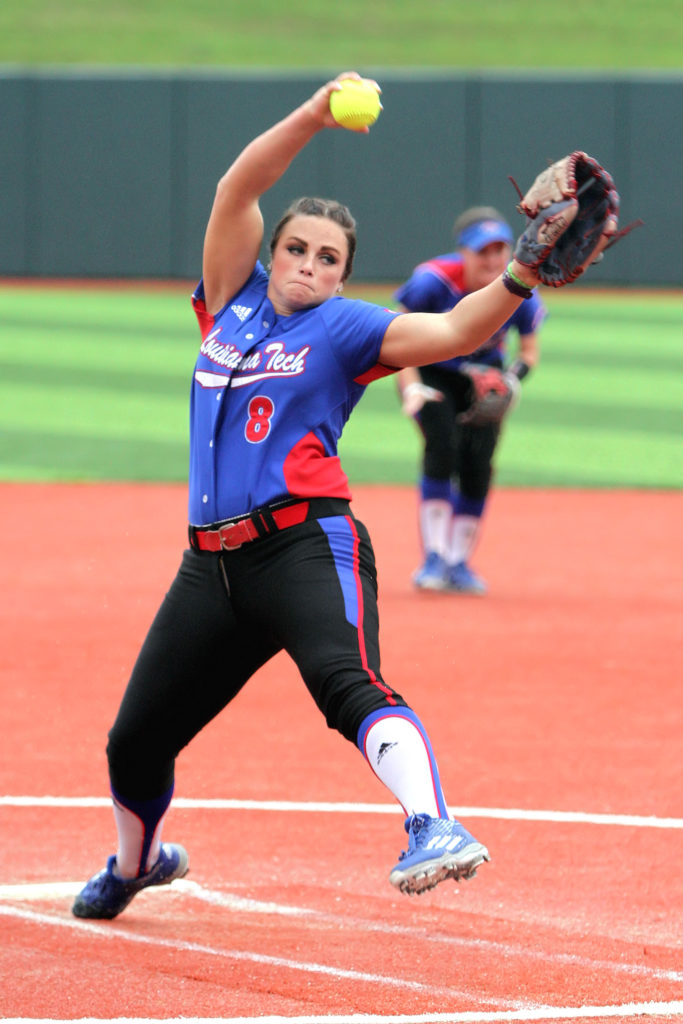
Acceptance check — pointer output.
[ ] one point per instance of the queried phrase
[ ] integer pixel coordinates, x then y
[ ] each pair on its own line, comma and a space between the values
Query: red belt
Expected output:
262, 522
243, 530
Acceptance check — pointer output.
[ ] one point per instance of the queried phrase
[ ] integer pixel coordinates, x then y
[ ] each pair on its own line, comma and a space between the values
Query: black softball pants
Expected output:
310, 590
456, 450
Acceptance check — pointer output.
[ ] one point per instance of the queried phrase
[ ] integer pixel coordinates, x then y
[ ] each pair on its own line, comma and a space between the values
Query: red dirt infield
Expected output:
554, 707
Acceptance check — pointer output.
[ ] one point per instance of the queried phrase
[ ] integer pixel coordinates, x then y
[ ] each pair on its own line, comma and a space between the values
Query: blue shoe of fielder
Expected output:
433, 575
438, 848
464, 581
106, 895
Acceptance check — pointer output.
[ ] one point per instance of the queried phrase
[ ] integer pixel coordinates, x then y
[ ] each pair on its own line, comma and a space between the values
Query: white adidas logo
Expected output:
242, 312
438, 843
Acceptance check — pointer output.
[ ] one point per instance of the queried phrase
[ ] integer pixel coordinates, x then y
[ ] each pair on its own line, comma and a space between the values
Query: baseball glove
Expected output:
573, 214
492, 393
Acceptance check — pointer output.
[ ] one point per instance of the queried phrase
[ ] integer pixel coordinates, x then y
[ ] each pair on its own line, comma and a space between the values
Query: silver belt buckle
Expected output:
235, 530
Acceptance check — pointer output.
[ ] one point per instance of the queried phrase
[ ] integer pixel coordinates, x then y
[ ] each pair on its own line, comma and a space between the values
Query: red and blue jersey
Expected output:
270, 398
439, 284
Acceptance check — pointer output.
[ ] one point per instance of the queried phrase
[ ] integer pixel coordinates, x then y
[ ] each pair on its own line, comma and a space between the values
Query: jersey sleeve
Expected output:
356, 331
251, 293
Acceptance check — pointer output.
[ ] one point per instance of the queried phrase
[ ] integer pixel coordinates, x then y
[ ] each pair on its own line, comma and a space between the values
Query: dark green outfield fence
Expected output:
113, 174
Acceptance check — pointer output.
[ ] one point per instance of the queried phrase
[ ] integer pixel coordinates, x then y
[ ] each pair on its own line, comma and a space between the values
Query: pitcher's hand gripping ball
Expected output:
356, 104
573, 214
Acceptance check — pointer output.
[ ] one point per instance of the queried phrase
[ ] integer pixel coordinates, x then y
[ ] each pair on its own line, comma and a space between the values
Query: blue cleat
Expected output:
464, 581
438, 848
106, 895
433, 575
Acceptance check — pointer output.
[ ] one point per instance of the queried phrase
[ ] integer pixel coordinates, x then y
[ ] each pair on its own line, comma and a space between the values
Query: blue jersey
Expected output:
271, 395
438, 284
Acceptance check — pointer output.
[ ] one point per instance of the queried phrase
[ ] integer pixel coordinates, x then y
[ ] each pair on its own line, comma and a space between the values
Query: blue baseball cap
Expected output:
483, 233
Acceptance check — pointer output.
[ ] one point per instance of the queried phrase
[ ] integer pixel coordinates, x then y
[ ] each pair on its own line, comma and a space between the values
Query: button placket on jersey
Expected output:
267, 323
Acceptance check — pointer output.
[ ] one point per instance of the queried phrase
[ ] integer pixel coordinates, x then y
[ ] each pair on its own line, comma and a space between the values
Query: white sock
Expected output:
400, 756
131, 833
463, 538
435, 519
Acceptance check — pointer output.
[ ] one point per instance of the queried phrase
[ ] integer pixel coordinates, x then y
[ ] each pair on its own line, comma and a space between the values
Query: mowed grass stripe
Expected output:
85, 377
29, 455
403, 34
95, 385
586, 457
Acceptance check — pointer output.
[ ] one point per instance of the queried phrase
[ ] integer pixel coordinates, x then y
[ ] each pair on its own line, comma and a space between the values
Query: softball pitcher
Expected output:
276, 558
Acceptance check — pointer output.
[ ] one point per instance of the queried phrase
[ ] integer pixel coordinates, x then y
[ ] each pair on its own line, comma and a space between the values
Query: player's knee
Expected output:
137, 764
438, 463
347, 715
475, 486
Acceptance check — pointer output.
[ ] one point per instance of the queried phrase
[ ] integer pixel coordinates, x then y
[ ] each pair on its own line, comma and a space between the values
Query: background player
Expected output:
277, 560
457, 463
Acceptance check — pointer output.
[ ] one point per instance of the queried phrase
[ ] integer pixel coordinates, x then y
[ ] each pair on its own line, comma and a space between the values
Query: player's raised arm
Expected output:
235, 229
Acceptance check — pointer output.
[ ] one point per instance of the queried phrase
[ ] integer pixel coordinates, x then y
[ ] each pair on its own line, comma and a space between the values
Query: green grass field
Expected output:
617, 34
94, 385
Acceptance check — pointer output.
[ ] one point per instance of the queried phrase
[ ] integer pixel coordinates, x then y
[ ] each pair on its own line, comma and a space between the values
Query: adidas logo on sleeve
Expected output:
241, 312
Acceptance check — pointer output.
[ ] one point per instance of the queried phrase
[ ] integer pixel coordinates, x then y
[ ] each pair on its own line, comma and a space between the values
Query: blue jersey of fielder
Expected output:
271, 395
439, 284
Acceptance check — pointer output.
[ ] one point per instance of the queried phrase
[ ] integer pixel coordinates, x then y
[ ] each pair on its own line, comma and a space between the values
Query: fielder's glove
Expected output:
573, 216
492, 393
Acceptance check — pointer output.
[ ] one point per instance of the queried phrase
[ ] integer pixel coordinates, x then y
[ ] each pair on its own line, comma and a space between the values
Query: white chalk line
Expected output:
542, 1013
317, 807
240, 904
110, 931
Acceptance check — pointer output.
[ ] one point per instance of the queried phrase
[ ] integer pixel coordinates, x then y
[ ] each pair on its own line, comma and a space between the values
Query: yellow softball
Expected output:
356, 104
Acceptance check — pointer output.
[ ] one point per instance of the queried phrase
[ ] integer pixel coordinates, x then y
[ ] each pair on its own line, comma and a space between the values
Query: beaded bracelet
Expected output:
515, 286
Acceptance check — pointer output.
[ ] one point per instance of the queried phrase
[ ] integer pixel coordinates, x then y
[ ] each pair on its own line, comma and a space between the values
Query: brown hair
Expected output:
309, 206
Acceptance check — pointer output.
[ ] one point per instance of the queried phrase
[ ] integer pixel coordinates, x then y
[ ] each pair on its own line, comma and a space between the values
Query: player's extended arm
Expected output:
417, 339
572, 213
528, 354
235, 229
